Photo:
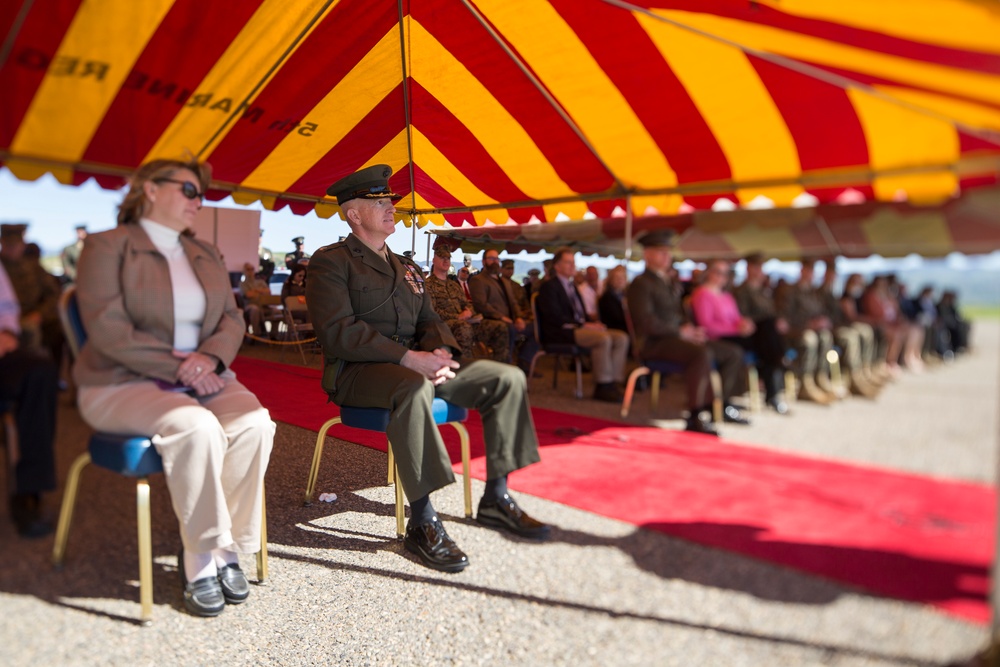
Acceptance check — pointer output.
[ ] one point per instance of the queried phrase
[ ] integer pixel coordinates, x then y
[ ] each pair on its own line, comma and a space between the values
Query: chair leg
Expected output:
836, 377
791, 391
654, 392
463, 435
531, 366
262, 554
391, 475
630, 388
717, 391
754, 381
398, 487
579, 377
68, 505
555, 372
145, 549
317, 455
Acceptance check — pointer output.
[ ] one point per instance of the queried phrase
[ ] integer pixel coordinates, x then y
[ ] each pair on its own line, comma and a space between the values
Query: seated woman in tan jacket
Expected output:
163, 328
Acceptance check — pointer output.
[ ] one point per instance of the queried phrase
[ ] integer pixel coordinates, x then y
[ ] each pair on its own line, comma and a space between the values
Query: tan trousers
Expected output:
215, 452
608, 352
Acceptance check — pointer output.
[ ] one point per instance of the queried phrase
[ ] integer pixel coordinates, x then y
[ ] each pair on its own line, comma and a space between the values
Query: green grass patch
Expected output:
981, 312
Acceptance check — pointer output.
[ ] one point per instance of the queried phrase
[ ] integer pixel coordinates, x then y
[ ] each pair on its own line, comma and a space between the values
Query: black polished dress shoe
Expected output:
608, 392
696, 424
202, 597
26, 511
430, 542
733, 415
234, 584
505, 514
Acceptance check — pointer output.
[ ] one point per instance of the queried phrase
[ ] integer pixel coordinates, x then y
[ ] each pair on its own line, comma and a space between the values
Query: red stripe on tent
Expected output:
809, 107
752, 12
459, 32
524, 214
461, 147
623, 49
303, 81
378, 128
165, 78
30, 58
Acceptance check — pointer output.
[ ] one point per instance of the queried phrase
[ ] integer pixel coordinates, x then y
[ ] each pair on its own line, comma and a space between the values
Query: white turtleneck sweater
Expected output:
189, 295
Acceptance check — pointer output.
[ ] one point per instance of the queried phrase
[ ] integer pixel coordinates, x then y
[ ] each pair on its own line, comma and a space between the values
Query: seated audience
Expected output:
957, 327
663, 334
810, 331
562, 320
715, 311
493, 298
163, 328
469, 328
611, 306
253, 289
29, 383
855, 339
755, 301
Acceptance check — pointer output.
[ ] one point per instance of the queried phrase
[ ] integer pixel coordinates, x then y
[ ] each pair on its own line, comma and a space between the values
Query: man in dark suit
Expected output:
493, 297
385, 347
562, 320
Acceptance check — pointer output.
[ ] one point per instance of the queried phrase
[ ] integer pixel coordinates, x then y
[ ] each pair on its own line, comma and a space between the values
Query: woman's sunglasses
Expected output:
188, 189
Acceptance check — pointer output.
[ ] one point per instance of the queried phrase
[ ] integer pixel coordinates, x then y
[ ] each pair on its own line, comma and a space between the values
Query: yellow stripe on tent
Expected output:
950, 80
960, 25
900, 138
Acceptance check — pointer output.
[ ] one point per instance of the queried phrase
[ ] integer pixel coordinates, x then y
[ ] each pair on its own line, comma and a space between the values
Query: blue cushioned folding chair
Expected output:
377, 419
128, 455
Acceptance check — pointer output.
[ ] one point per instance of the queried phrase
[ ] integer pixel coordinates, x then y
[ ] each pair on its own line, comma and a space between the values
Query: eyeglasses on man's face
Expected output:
188, 189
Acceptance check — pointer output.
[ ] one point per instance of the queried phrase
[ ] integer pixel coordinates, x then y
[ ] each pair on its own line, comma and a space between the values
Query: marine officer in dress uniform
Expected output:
384, 346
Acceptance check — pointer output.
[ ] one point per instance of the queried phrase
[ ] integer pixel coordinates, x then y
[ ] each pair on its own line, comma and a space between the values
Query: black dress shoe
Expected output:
26, 511
608, 392
733, 415
202, 597
436, 550
234, 584
696, 424
505, 514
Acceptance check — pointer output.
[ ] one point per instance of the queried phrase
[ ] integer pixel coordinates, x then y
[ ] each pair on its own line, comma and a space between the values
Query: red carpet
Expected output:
896, 534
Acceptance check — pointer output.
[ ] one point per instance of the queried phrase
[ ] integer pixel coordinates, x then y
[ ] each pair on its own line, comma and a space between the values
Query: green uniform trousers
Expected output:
498, 391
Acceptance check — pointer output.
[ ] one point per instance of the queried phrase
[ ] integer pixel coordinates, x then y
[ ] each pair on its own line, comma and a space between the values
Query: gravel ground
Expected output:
342, 590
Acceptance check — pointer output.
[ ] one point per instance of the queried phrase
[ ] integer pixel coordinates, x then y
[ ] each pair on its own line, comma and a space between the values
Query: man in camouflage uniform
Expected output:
857, 340
71, 253
520, 294
470, 329
754, 299
810, 330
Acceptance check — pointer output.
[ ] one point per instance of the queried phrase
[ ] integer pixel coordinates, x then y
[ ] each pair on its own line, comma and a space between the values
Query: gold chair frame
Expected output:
392, 477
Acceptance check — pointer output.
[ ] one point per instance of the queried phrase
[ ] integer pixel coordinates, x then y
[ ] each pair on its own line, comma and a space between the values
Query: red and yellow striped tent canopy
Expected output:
512, 109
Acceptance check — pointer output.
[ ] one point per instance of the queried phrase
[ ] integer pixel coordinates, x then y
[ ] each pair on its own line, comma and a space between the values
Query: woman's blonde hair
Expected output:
135, 205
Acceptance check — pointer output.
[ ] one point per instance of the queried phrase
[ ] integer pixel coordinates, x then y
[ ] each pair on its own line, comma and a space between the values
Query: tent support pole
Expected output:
628, 228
